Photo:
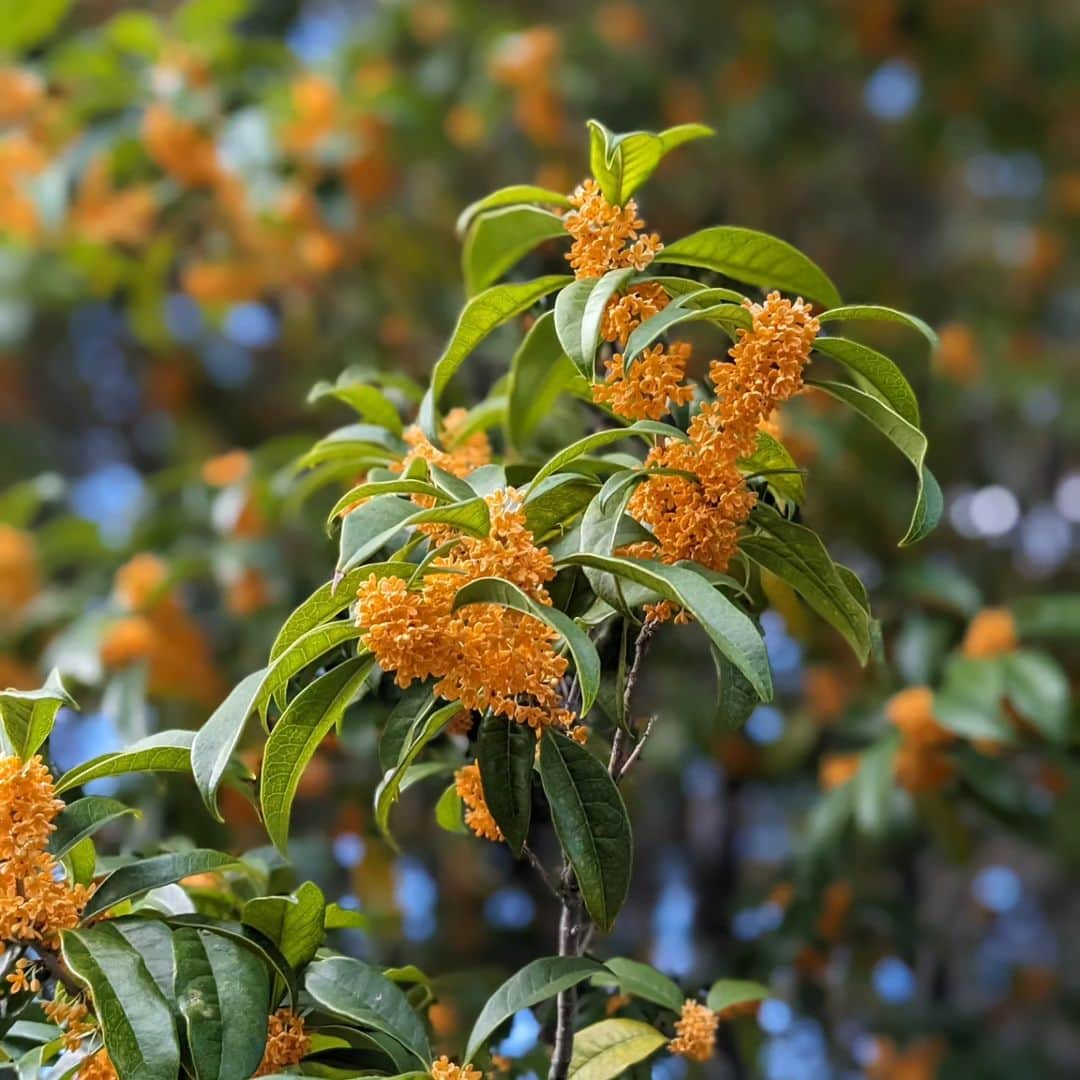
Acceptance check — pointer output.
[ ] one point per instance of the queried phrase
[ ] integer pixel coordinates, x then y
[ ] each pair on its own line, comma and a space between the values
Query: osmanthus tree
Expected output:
505, 602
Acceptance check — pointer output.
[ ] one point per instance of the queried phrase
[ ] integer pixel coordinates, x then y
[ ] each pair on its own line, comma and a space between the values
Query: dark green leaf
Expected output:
591, 821
167, 751
724, 993
730, 316
736, 699
83, 818
644, 981
875, 373
147, 874
505, 752
294, 923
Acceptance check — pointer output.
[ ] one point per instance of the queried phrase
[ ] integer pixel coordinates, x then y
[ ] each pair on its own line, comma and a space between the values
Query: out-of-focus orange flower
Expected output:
370, 176
127, 641
826, 692
957, 356
991, 633
836, 904
835, 770
443, 1018
103, 215
920, 1061
465, 126
226, 469
524, 59
20, 91
912, 712
140, 582
921, 769
621, 25
180, 147
226, 281
248, 592
316, 110
15, 675
431, 20
20, 577
20, 159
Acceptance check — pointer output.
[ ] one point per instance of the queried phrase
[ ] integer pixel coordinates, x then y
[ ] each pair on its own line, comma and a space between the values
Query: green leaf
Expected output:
875, 373
370, 527
772, 461
304, 650
356, 443
222, 992
621, 163
152, 940
294, 923
515, 195
450, 812
730, 629
248, 938
591, 822
608, 1049
1047, 616
536, 982
753, 257
725, 993
539, 372
497, 239
214, 743
135, 1017
555, 503
969, 702
146, 874
331, 599
364, 492
736, 698
426, 727
795, 554
339, 918
205, 20
481, 315
505, 752
417, 699
167, 751
592, 318
296, 736
83, 818
1039, 691
874, 312
368, 401
873, 788
569, 312
471, 516
910, 441
644, 981
29, 715
730, 316
81, 862
361, 993
24, 26
492, 590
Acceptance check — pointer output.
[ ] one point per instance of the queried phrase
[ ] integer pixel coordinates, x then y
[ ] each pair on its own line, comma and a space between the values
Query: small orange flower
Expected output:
652, 386
695, 1032
991, 633
127, 641
180, 147
606, 237
20, 579
103, 215
912, 712
920, 769
286, 1042
478, 817
140, 582
445, 1069
23, 979
226, 469
97, 1067
836, 905
835, 770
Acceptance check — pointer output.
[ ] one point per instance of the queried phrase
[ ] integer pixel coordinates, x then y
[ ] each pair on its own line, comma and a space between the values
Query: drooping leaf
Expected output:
167, 751
569, 312
482, 314
910, 441
591, 822
1038, 690
370, 527
146, 874
29, 715
622, 162
426, 727
359, 992
515, 195
736, 698
796, 555
586, 661
135, 1017
725, 993
220, 987
363, 492
876, 373
644, 981
877, 313
771, 461
753, 257
537, 981
295, 923
296, 736
730, 316
497, 239
730, 629
355, 445
83, 818
505, 752
214, 743
609, 1048
592, 317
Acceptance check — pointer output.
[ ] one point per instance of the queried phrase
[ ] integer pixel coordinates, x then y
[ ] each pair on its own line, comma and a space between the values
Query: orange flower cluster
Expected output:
700, 518
20, 578
919, 1061
606, 237
35, 903
478, 817
286, 1042
98, 1067
158, 628
484, 655
462, 457
445, 1069
991, 633
71, 1015
653, 385
835, 770
525, 63
920, 764
23, 978
695, 1032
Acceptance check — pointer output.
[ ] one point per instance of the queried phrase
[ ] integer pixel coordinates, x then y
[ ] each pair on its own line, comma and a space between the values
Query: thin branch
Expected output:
636, 752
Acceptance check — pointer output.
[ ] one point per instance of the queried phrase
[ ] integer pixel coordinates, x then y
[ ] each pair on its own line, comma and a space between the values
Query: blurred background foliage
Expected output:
207, 207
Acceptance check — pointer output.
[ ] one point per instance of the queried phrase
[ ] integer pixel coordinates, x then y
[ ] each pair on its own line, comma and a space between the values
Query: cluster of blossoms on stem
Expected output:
445, 1069
695, 1032
697, 504
478, 817
35, 902
287, 1042
485, 656
98, 1067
